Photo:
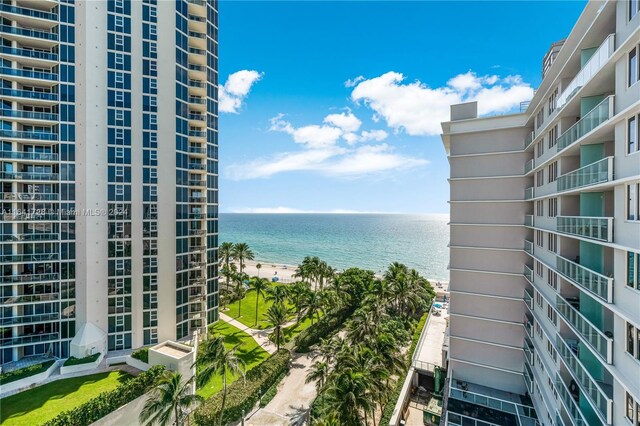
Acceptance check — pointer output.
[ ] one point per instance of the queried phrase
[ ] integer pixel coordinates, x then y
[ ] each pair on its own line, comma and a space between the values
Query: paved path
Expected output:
260, 336
294, 397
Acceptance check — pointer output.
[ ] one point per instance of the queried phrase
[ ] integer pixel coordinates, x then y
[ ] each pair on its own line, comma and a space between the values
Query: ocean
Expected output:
368, 241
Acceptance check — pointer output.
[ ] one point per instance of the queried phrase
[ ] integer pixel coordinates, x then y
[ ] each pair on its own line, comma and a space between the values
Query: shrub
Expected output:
142, 354
242, 395
21, 373
78, 361
272, 391
107, 402
320, 330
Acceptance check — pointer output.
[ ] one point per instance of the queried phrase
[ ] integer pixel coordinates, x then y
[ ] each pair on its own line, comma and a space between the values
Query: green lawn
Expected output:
249, 351
248, 311
38, 405
295, 329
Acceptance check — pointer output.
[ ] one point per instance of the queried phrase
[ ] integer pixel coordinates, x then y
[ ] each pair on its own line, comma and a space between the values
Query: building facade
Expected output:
109, 173
545, 240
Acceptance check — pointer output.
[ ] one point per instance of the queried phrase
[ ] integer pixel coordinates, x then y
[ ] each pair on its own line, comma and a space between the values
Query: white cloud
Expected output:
374, 135
353, 82
419, 109
236, 89
345, 121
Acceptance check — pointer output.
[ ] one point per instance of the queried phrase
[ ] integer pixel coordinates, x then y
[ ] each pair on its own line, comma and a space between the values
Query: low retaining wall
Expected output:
129, 360
125, 415
81, 367
22, 384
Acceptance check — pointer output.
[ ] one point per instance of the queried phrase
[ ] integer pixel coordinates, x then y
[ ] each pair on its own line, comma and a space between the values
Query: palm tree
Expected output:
277, 294
312, 305
258, 267
228, 272
225, 253
214, 358
318, 373
171, 398
296, 295
260, 286
241, 253
396, 277
346, 396
277, 314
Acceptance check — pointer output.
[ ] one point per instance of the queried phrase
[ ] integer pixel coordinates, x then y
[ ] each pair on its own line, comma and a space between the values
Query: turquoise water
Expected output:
370, 241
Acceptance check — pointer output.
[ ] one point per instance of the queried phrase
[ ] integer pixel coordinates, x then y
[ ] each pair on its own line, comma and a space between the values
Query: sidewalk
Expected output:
260, 336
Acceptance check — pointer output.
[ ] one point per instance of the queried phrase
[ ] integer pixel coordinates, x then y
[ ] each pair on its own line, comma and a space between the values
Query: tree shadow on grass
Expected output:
254, 355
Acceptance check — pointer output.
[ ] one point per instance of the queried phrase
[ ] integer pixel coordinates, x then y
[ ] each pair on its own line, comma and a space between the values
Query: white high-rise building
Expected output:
545, 240
109, 176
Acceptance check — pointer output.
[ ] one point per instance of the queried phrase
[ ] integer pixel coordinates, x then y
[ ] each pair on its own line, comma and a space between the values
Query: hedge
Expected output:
393, 399
85, 360
242, 395
272, 391
142, 354
21, 373
107, 402
320, 330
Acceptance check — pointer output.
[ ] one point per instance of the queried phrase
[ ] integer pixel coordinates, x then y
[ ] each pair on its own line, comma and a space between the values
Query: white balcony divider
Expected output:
591, 68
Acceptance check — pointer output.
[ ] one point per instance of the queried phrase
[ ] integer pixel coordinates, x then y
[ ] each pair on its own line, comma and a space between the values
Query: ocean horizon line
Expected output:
346, 212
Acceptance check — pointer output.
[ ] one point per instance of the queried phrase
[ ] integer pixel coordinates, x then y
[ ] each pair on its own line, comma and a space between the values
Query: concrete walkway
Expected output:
260, 336
291, 404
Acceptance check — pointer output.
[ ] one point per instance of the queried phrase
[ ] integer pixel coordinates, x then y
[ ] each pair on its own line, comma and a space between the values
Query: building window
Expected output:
633, 204
633, 341
553, 207
540, 148
633, 144
634, 7
633, 66
553, 101
553, 242
539, 208
633, 270
540, 178
551, 314
553, 136
538, 299
539, 269
539, 118
553, 172
552, 280
539, 238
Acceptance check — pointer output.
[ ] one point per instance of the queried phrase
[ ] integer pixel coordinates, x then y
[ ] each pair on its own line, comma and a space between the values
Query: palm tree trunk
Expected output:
257, 296
239, 306
177, 413
224, 397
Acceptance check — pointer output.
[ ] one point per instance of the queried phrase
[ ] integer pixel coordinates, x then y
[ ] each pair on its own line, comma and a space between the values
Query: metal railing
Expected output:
47, 35
17, 134
18, 72
26, 278
597, 228
29, 53
595, 338
36, 338
29, 298
599, 172
30, 94
28, 196
594, 282
28, 12
29, 257
570, 404
34, 115
25, 319
28, 176
36, 156
594, 118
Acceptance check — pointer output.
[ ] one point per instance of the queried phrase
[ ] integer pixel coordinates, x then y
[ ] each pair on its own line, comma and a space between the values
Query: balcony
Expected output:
20, 217
528, 247
600, 400
38, 75
29, 298
198, 199
197, 166
596, 228
29, 257
528, 299
595, 283
197, 182
28, 196
49, 97
197, 150
529, 193
599, 172
24, 32
28, 278
529, 165
36, 236
197, 232
197, 134
29, 136
29, 319
528, 274
35, 156
528, 139
528, 220
32, 13
29, 53
528, 328
589, 70
594, 118
28, 176
35, 338
595, 338
570, 404
28, 115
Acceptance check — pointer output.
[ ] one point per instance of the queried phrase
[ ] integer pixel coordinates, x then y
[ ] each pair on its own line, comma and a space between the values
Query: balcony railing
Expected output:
198, 117
528, 298
197, 51
41, 75
198, 2
196, 67
196, 17
597, 228
30, 217
28, 114
35, 338
197, 183
29, 94
46, 35
28, 196
197, 34
30, 257
28, 176
598, 398
528, 220
599, 172
197, 232
594, 118
17, 134
36, 156
591, 68
529, 165
583, 327
570, 404
594, 282
528, 247
29, 53
528, 274
529, 193
197, 150
29, 298
197, 166
28, 278
26, 319
32, 13
528, 139
199, 101
196, 83
197, 133
528, 328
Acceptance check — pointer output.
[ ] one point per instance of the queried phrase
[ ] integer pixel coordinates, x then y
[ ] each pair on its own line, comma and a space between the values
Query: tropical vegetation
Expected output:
21, 373
170, 401
84, 360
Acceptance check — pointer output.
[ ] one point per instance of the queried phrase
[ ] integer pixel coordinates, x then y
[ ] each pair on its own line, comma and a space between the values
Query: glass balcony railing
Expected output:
197, 117
594, 118
197, 166
529, 193
594, 282
197, 150
598, 398
198, 2
38, 236
30, 216
197, 51
36, 156
599, 172
28, 176
19, 134
32, 13
29, 94
29, 257
29, 53
528, 274
197, 34
528, 246
197, 18
528, 220
27, 319
197, 133
196, 67
528, 298
591, 68
33, 115
28, 278
528, 375
570, 404
35, 338
29, 298
197, 183
529, 165
28, 196
46, 35
528, 328
40, 75
595, 338
194, 100
197, 83
528, 139
597, 228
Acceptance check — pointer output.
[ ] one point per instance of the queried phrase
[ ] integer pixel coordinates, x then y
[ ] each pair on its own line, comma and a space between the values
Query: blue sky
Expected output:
334, 106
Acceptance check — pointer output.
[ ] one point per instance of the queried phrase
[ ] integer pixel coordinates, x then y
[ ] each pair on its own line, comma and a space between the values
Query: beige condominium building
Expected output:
109, 146
545, 240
